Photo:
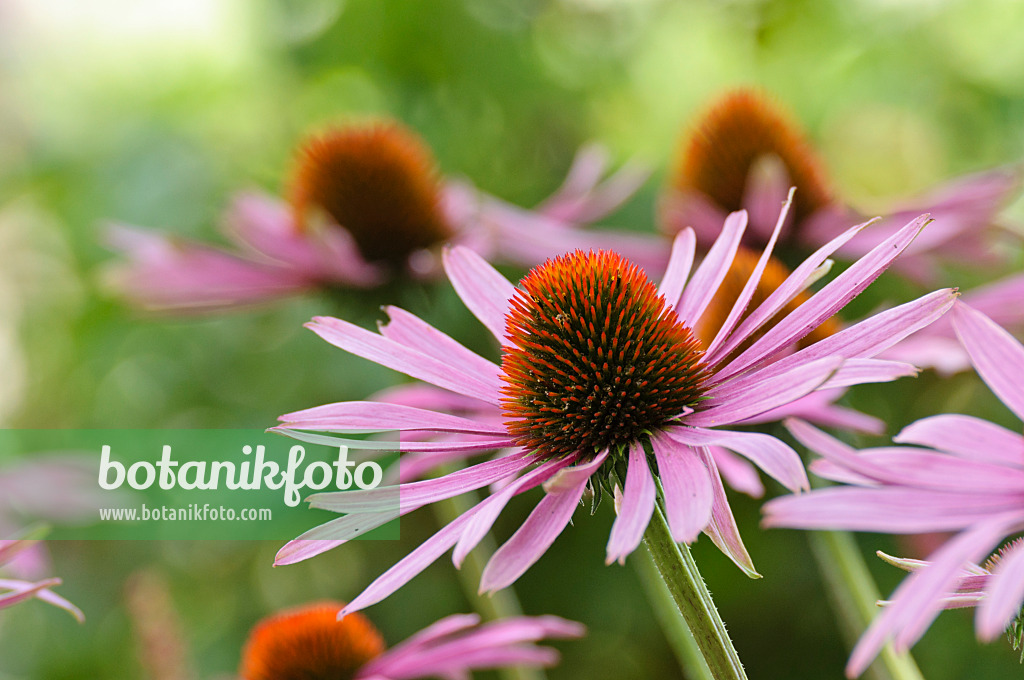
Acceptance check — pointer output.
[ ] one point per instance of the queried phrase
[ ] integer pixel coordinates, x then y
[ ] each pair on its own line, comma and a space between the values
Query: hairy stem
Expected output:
691, 599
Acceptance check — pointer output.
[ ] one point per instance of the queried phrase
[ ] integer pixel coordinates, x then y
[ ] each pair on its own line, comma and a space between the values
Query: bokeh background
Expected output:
153, 112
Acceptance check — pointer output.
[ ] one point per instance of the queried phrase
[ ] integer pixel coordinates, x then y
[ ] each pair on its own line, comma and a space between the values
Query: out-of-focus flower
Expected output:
14, 591
969, 479
366, 203
310, 643
601, 377
745, 152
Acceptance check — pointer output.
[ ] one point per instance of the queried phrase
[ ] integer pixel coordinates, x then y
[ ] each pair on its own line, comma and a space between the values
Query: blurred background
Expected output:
154, 112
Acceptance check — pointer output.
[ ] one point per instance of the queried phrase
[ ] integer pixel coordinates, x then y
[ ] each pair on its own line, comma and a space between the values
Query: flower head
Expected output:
311, 643
379, 182
596, 358
745, 152
963, 474
745, 144
601, 385
366, 203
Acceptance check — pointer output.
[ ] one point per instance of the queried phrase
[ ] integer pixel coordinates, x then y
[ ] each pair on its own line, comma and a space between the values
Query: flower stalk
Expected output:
692, 600
853, 595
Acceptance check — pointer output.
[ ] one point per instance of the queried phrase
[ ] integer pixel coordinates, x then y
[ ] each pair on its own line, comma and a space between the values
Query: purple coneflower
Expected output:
601, 381
310, 643
14, 591
746, 152
366, 203
964, 475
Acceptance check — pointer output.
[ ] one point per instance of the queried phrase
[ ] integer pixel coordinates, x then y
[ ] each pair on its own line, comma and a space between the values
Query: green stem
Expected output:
690, 596
679, 637
853, 594
502, 604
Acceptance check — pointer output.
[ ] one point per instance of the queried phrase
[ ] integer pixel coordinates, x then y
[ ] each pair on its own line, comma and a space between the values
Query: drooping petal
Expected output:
997, 356
819, 407
411, 565
483, 290
168, 274
689, 494
541, 528
722, 529
771, 455
907, 466
738, 472
635, 510
418, 494
912, 511
489, 509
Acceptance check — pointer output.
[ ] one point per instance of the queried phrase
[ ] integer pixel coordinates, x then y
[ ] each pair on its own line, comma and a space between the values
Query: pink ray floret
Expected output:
960, 474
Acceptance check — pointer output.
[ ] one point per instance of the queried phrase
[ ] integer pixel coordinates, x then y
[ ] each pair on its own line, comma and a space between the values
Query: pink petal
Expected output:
363, 343
418, 494
829, 300
739, 473
967, 437
634, 514
771, 455
722, 529
679, 265
541, 528
411, 565
689, 494
1003, 600
794, 284
864, 371
731, 403
997, 356
918, 600
740, 305
417, 334
712, 270
918, 468
818, 407
489, 509
372, 416
911, 511
167, 274
483, 290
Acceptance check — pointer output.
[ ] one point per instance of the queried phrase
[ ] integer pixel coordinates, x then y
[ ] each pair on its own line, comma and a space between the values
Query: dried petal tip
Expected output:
309, 643
596, 358
736, 133
379, 182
